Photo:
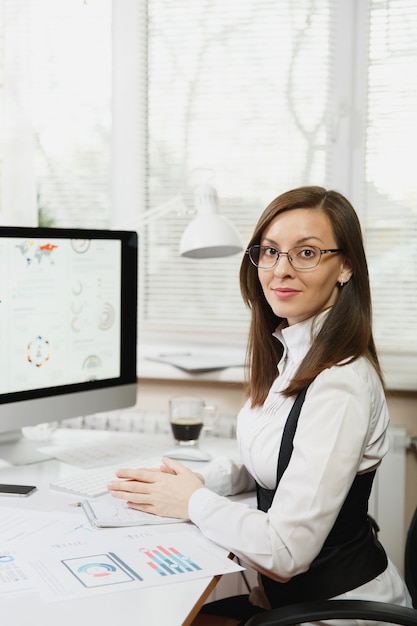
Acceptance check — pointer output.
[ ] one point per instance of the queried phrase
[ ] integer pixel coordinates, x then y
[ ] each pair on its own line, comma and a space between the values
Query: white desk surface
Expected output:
175, 604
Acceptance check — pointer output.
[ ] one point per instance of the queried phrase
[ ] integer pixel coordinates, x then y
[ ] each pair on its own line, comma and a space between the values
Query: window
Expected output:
270, 95
232, 95
55, 106
252, 96
390, 184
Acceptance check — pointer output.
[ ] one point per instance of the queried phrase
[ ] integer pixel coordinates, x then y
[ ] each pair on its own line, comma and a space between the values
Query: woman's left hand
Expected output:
163, 492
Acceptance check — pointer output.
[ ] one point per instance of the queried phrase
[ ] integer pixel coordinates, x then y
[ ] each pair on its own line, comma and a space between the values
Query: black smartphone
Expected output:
16, 490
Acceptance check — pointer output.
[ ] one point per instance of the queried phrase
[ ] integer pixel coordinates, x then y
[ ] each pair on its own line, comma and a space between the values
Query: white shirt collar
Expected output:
297, 339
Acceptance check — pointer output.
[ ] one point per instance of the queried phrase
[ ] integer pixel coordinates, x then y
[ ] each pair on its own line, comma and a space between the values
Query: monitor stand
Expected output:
17, 449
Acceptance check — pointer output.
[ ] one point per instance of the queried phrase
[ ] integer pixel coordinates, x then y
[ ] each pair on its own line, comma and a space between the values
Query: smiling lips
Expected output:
284, 293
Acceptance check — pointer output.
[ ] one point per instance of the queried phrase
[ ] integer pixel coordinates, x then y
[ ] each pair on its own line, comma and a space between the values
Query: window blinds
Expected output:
242, 94
389, 178
237, 96
58, 90
246, 89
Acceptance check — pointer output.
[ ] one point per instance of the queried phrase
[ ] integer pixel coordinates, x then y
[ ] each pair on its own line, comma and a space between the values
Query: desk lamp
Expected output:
210, 234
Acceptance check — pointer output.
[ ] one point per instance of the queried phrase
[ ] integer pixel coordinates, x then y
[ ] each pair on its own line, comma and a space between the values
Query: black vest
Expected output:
351, 555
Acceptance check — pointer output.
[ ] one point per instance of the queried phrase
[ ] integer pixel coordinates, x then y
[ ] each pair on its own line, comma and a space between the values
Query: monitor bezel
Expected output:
128, 323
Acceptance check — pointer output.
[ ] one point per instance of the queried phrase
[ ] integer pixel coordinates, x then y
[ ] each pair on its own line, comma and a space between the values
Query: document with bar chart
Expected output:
99, 562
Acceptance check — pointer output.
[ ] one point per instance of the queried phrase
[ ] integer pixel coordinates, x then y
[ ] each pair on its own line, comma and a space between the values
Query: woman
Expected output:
311, 352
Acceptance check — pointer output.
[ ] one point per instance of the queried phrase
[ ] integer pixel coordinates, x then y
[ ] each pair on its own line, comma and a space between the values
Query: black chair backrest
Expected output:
410, 563
292, 615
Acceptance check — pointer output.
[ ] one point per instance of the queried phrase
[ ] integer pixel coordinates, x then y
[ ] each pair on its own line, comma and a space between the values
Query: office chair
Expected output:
410, 559
352, 609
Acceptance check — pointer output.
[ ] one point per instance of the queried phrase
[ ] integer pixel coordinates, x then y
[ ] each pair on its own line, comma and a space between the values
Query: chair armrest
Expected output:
335, 609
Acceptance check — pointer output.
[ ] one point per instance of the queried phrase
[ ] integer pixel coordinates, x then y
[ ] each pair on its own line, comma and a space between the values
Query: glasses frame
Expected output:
279, 253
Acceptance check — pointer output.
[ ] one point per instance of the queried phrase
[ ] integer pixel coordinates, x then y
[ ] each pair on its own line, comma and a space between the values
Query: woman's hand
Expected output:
163, 492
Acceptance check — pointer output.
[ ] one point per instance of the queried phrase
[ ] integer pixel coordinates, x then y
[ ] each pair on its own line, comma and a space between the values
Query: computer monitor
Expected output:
68, 328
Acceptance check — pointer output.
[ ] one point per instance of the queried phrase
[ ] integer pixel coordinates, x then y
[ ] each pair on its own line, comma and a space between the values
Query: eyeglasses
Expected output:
300, 257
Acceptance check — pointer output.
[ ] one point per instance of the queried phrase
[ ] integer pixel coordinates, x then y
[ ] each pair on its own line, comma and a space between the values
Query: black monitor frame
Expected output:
34, 406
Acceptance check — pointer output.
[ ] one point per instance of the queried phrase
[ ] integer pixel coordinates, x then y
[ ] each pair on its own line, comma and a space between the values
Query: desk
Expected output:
177, 603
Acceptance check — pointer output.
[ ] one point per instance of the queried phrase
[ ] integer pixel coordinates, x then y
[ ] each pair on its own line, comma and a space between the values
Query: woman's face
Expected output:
299, 294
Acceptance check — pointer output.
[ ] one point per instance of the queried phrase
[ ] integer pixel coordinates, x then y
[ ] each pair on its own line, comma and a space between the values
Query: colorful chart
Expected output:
97, 570
92, 361
169, 561
41, 252
106, 318
80, 246
101, 569
6, 558
38, 351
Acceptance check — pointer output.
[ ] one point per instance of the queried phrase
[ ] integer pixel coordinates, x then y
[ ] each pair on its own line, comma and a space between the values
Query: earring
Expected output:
341, 283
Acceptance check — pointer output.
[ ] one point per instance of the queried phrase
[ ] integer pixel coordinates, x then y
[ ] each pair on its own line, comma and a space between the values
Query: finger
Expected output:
167, 470
139, 502
144, 475
120, 485
146, 508
176, 466
129, 487
121, 495
137, 492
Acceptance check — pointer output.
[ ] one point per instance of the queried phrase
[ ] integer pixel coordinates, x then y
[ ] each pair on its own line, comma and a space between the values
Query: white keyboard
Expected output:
110, 453
91, 483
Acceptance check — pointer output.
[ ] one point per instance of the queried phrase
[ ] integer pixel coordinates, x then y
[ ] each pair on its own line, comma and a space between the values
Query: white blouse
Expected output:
341, 432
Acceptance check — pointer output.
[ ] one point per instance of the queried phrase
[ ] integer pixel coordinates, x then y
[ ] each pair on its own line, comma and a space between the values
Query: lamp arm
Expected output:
176, 203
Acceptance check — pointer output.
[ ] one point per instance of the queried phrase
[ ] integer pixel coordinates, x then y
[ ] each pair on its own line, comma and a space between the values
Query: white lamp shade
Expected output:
209, 234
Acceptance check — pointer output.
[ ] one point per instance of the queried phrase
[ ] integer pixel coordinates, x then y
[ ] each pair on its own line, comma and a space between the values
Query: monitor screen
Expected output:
68, 324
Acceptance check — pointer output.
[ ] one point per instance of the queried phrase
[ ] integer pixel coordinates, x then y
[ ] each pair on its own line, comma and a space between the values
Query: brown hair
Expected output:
347, 330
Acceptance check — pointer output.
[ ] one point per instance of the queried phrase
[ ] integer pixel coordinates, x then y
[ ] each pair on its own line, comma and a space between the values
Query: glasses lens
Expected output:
254, 255
263, 256
304, 257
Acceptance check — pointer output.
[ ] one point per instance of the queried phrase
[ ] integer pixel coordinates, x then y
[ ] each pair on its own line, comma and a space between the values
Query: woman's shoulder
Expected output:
359, 374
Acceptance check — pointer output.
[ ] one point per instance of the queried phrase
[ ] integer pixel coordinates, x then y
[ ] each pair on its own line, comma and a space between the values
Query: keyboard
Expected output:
90, 483
109, 453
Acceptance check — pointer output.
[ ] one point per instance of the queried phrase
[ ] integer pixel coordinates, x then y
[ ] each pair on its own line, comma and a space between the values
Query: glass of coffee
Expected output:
186, 416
